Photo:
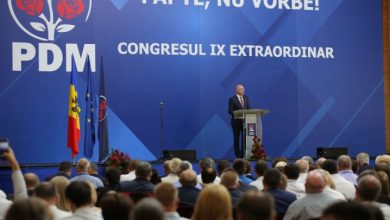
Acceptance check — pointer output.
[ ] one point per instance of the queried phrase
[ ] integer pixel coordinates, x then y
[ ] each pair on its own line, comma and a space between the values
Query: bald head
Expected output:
31, 179
82, 165
188, 178
303, 165
229, 179
315, 182
369, 188
344, 162
240, 89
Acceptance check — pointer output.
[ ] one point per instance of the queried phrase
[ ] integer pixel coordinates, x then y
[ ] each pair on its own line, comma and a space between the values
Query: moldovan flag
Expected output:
73, 115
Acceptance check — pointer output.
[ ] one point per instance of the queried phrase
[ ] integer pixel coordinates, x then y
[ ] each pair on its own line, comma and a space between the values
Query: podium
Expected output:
252, 127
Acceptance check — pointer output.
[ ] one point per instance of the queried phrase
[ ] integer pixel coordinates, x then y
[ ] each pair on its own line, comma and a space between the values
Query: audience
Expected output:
292, 173
208, 176
385, 192
363, 162
229, 179
116, 206
47, 192
214, 203
131, 171
303, 170
174, 167
341, 184
222, 165
61, 183
83, 175
79, 194
188, 192
344, 164
315, 201
260, 167
272, 184
241, 169
32, 180
141, 184
256, 206
320, 161
368, 191
93, 171
148, 209
29, 209
248, 170
65, 170
351, 211
203, 165
167, 195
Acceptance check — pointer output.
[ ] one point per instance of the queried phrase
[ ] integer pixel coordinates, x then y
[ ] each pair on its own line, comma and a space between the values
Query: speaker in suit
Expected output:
238, 102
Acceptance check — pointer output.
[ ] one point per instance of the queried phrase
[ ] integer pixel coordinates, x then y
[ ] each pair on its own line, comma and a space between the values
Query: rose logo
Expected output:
46, 19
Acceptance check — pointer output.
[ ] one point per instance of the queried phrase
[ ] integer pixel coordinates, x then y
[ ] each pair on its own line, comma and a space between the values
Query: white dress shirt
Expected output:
258, 183
216, 181
170, 178
302, 178
383, 207
336, 194
173, 216
296, 187
58, 213
20, 191
85, 213
344, 186
128, 177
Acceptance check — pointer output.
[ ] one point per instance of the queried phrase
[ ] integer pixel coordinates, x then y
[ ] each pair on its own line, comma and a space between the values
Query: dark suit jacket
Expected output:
234, 104
235, 194
244, 187
188, 194
364, 168
137, 186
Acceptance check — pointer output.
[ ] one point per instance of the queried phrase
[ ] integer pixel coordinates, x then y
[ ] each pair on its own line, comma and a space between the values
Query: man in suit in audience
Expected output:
230, 180
363, 161
238, 102
272, 184
188, 193
65, 170
142, 183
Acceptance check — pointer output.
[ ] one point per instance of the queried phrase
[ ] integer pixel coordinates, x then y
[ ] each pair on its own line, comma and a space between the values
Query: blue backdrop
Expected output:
314, 102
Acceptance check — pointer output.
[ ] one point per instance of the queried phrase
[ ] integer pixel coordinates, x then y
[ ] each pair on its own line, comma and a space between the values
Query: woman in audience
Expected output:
214, 203
61, 183
384, 179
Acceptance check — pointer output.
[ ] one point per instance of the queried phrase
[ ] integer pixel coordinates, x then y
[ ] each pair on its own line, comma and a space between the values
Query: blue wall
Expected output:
313, 102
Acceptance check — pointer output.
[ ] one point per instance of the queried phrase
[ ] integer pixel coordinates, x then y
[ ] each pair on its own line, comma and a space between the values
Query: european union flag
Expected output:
90, 133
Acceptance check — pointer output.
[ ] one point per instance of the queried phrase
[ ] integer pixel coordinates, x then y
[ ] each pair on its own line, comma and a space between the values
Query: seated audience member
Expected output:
203, 165
32, 180
61, 183
18, 183
155, 179
351, 211
188, 192
308, 159
363, 162
243, 187
113, 175
83, 175
29, 209
184, 166
229, 179
222, 165
283, 199
116, 206
260, 167
344, 165
382, 159
79, 194
65, 170
142, 183
276, 160
368, 191
239, 166
214, 203
248, 170
47, 192
381, 167
173, 176
385, 192
341, 184
320, 161
303, 170
131, 171
208, 176
147, 209
256, 206
292, 173
167, 195
315, 201
330, 186
93, 171
166, 168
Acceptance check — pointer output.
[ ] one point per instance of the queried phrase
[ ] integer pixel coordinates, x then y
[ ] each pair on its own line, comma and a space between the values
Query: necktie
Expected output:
242, 102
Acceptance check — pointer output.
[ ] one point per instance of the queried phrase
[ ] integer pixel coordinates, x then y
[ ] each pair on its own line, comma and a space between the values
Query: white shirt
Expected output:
58, 213
302, 178
128, 177
199, 178
258, 183
85, 213
336, 194
173, 216
20, 191
383, 207
170, 178
344, 186
296, 187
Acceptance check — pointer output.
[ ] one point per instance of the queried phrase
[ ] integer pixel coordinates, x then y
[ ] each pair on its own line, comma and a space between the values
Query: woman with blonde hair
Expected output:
61, 183
214, 203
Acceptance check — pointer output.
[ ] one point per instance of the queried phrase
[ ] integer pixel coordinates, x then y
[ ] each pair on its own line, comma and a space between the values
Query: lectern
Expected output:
252, 127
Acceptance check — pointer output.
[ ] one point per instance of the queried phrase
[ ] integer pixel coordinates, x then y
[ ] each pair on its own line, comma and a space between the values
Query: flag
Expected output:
90, 132
103, 128
73, 115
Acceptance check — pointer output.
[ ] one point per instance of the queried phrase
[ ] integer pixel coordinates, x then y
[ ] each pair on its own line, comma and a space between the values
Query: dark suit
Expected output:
188, 194
137, 186
235, 194
237, 124
363, 168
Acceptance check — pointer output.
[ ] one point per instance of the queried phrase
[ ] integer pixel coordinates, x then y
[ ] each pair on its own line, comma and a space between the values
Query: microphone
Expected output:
161, 105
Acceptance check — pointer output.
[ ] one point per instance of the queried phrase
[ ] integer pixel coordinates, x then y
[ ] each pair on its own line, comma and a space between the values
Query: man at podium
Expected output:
238, 102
